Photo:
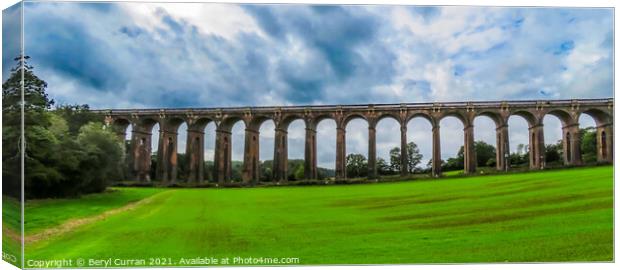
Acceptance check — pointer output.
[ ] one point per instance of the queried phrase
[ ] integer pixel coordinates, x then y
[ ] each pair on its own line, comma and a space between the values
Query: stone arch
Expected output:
167, 150
458, 115
426, 116
601, 117
314, 121
348, 117
289, 118
602, 123
172, 123
195, 149
387, 125
422, 133
227, 123
495, 116
139, 159
456, 139
385, 115
326, 127
530, 118
493, 133
257, 121
569, 137
222, 160
201, 123
119, 125
565, 117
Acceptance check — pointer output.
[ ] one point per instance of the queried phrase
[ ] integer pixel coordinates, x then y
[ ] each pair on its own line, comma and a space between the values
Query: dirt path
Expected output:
11, 234
72, 224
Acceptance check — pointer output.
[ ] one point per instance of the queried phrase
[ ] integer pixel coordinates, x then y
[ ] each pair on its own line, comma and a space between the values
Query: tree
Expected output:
103, 157
77, 116
58, 162
357, 166
395, 159
521, 157
553, 152
35, 97
299, 172
588, 144
483, 150
413, 157
484, 153
36, 119
383, 168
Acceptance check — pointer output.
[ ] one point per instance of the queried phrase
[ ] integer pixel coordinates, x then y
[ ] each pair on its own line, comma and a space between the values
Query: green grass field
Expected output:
559, 215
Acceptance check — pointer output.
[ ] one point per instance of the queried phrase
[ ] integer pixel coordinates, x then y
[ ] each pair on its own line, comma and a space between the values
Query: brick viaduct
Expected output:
169, 120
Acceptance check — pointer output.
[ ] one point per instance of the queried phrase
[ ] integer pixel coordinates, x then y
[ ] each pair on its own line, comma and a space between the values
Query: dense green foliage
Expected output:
557, 215
413, 158
485, 156
65, 154
588, 144
295, 169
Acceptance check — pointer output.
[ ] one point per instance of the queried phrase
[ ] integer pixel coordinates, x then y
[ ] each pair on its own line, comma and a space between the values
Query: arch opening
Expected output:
451, 144
519, 139
326, 149
235, 155
296, 138
266, 139
182, 155
356, 157
420, 132
209, 151
590, 138
155, 130
388, 146
557, 141
486, 142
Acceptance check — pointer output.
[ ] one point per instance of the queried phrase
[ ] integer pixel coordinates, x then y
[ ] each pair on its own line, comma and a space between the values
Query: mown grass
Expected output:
561, 215
41, 214
11, 226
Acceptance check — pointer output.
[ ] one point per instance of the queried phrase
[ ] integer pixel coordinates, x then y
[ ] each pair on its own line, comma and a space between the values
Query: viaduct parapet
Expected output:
169, 120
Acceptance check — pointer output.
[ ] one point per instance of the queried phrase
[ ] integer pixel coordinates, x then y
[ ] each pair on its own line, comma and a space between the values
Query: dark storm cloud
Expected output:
11, 38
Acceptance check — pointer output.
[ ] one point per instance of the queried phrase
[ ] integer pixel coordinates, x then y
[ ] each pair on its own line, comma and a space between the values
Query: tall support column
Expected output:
140, 156
222, 160
537, 147
167, 156
251, 161
502, 155
571, 144
372, 152
604, 143
436, 161
280, 156
341, 152
310, 167
194, 149
469, 150
404, 156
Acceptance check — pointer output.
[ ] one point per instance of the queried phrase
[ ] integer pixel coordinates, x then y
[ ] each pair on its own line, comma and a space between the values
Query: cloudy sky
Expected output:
140, 55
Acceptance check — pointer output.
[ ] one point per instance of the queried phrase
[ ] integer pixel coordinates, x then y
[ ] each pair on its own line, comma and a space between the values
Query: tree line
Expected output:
357, 164
68, 150
295, 169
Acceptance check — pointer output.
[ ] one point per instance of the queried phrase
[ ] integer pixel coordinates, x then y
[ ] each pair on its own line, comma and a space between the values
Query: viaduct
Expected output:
169, 120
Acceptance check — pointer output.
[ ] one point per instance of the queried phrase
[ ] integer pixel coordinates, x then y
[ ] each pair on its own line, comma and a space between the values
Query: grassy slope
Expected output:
563, 215
11, 222
41, 214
